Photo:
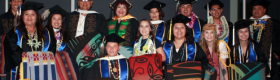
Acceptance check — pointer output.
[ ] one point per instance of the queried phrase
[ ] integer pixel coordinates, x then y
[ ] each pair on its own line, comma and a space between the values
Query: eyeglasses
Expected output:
216, 9
84, 0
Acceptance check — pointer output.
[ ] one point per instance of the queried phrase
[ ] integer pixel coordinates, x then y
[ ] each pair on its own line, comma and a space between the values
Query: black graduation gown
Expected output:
6, 23
131, 34
13, 52
93, 22
94, 72
166, 36
230, 25
270, 35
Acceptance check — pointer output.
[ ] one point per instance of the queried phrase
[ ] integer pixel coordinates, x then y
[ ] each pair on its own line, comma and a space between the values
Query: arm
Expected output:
1, 26
134, 28
160, 51
223, 48
201, 56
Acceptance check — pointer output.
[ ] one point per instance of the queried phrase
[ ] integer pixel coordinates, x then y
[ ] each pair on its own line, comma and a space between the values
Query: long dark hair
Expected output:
189, 34
237, 44
50, 28
38, 24
151, 32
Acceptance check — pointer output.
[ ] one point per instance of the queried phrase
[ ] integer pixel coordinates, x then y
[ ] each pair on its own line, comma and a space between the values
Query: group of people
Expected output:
30, 48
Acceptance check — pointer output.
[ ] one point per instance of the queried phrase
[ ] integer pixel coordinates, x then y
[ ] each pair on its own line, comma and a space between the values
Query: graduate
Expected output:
145, 42
156, 15
181, 46
113, 65
224, 27
55, 25
7, 20
123, 24
217, 51
84, 21
185, 8
245, 50
30, 37
265, 31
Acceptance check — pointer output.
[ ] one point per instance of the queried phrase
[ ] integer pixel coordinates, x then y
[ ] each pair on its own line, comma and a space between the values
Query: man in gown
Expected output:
265, 31
185, 8
113, 65
84, 21
223, 26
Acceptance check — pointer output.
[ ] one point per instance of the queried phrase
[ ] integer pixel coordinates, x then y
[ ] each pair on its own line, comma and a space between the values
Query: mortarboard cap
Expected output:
263, 3
214, 2
112, 5
57, 10
242, 24
187, 1
28, 5
114, 38
154, 4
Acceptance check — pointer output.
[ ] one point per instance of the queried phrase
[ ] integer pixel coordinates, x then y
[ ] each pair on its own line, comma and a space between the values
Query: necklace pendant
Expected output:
115, 69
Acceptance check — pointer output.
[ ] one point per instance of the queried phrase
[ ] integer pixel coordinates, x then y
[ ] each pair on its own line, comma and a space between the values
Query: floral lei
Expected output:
222, 28
193, 18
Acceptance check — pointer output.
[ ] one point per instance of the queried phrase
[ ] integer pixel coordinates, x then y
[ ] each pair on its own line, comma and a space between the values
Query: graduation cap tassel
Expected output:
102, 48
170, 30
244, 9
177, 8
233, 35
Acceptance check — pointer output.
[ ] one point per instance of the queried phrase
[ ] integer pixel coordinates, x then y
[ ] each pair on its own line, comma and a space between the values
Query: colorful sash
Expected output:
190, 49
38, 66
151, 48
160, 30
123, 66
196, 30
122, 28
252, 57
61, 47
46, 43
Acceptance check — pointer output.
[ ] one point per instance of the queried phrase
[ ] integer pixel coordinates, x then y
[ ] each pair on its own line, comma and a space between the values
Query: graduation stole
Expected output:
60, 45
252, 55
190, 49
196, 30
123, 25
45, 44
223, 28
150, 47
259, 27
122, 65
160, 30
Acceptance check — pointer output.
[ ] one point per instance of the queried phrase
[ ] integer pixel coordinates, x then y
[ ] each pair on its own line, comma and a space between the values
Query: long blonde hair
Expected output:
202, 40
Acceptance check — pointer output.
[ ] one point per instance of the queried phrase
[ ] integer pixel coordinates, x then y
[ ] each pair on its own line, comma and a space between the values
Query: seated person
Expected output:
113, 65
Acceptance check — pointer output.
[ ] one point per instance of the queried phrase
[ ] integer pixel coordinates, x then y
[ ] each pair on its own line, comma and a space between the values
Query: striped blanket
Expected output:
247, 71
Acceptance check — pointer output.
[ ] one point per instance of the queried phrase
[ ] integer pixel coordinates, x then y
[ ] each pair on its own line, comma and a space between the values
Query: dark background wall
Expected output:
102, 6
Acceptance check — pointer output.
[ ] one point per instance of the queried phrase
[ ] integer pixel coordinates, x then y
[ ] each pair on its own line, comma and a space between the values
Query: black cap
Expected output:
263, 3
112, 5
114, 38
28, 5
186, 1
57, 10
154, 4
214, 2
180, 19
242, 24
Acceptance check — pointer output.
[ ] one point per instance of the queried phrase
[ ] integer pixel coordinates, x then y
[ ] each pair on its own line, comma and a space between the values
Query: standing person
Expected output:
224, 27
113, 65
181, 46
56, 27
84, 21
245, 50
30, 38
185, 8
265, 31
145, 42
7, 20
123, 24
217, 51
156, 15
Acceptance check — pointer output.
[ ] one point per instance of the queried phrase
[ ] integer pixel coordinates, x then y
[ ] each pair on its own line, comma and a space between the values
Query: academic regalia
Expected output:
7, 21
151, 45
159, 26
15, 56
265, 31
195, 24
127, 28
93, 22
225, 27
189, 50
60, 36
